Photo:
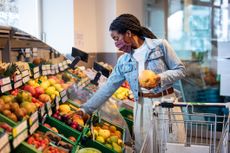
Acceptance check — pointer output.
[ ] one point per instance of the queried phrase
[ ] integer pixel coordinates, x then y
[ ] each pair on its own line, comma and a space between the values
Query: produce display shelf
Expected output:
65, 133
88, 142
125, 112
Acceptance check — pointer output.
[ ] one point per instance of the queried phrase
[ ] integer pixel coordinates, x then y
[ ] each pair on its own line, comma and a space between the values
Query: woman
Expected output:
142, 51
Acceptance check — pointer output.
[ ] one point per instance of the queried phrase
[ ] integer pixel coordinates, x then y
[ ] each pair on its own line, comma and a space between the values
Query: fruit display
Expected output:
48, 142
38, 140
109, 136
78, 72
70, 117
15, 109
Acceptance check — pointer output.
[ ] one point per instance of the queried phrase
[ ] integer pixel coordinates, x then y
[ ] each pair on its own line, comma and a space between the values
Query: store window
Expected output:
22, 14
195, 29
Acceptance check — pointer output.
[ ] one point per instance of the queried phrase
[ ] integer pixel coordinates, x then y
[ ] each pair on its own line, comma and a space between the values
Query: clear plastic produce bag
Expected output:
110, 112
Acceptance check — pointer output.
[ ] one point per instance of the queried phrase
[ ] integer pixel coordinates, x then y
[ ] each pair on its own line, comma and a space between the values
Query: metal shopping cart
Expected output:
177, 128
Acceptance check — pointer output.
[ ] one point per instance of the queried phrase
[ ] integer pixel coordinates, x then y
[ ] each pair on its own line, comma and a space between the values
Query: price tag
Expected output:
6, 88
48, 108
34, 127
27, 51
65, 67
26, 79
44, 72
17, 84
21, 137
36, 69
68, 61
64, 99
4, 81
4, 140
25, 73
57, 100
36, 75
18, 129
49, 72
60, 64
17, 77
42, 110
35, 52
5, 148
33, 118
63, 93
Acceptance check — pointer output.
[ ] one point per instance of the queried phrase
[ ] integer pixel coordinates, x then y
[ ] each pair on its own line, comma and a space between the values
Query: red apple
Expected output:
30, 89
39, 91
44, 98
47, 125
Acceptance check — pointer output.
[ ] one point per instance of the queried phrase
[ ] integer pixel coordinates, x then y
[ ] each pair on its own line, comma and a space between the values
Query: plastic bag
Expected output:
110, 112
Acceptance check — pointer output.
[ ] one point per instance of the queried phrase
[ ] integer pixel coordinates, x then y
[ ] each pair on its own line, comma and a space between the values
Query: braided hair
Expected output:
126, 22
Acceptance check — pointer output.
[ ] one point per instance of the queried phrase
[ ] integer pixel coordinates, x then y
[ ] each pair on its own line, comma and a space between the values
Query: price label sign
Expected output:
33, 118
4, 81
48, 108
18, 129
26, 79
44, 72
27, 52
68, 61
6, 88
57, 100
25, 73
17, 77
63, 93
34, 127
64, 99
42, 111
35, 52
4, 139
5, 148
36, 75
21, 137
36, 69
17, 84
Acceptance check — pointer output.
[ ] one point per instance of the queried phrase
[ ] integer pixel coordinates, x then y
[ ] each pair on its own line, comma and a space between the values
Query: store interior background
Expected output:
198, 30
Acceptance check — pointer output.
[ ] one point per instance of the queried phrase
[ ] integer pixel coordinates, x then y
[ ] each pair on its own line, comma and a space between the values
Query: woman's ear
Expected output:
129, 33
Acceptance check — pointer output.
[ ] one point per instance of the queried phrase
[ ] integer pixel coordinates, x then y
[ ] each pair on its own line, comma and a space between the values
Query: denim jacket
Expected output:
160, 58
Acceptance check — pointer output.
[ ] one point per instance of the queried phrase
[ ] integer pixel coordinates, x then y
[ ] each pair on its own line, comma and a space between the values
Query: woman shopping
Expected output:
142, 51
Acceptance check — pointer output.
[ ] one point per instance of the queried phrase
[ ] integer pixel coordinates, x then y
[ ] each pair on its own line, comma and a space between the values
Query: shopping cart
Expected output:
186, 131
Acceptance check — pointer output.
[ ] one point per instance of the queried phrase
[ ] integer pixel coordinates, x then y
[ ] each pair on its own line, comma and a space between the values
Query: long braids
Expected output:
126, 22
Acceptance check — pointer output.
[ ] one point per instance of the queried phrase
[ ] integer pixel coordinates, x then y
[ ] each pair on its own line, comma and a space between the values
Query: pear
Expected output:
116, 147
100, 139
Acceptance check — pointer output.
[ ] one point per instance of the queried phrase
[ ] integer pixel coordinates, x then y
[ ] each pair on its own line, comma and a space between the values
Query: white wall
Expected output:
135, 7
28, 17
85, 25
105, 13
58, 24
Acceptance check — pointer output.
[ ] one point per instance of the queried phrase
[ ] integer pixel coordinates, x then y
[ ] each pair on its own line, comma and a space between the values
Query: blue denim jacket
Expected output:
161, 58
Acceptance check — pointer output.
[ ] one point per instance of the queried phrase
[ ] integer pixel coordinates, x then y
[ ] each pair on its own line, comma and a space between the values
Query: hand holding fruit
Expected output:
148, 79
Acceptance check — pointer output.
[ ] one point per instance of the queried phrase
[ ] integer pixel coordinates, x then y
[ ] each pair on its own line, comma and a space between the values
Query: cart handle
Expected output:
166, 104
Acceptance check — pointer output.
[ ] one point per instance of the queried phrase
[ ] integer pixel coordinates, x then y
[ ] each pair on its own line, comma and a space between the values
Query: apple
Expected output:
72, 139
74, 126
30, 89
39, 91
44, 98
47, 125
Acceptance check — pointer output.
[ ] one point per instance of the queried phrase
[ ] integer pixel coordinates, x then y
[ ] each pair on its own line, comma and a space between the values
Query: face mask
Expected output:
123, 46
